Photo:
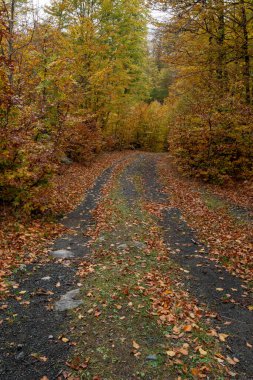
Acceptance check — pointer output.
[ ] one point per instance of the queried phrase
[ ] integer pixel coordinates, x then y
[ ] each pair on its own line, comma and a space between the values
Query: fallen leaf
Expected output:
202, 352
223, 337
39, 357
231, 361
184, 351
187, 328
136, 345
171, 354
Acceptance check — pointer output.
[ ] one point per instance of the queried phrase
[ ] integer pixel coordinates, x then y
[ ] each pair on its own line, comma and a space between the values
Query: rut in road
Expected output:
205, 276
30, 347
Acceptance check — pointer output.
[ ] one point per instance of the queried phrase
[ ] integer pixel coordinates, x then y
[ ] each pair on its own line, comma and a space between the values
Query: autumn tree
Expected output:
206, 44
70, 81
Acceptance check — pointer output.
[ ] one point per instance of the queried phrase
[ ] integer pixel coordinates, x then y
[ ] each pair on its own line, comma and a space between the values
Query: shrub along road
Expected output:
129, 293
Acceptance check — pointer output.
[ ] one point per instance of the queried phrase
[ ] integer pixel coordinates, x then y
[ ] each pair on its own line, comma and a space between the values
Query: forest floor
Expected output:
149, 277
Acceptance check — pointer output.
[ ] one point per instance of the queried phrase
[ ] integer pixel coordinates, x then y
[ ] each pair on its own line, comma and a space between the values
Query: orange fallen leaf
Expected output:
187, 328
195, 371
136, 345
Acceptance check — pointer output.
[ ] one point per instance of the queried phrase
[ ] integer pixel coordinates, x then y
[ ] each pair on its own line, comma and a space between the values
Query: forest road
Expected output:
32, 331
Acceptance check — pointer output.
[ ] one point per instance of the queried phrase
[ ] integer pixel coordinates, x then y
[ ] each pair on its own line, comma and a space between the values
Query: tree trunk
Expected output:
220, 42
245, 51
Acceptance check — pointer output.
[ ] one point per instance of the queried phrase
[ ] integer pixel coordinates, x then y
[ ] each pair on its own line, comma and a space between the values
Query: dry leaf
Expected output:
136, 345
171, 354
187, 328
39, 357
202, 352
223, 337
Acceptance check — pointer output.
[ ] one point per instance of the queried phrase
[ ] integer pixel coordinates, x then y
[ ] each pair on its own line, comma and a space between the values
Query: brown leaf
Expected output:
39, 357
136, 345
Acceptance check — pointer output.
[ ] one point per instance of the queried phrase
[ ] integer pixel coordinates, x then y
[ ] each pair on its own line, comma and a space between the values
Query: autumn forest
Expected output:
126, 167
83, 78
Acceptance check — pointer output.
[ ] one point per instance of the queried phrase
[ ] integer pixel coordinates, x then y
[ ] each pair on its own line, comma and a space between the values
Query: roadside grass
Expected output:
137, 321
213, 202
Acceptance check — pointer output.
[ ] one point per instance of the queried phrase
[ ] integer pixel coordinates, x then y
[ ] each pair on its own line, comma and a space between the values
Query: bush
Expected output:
82, 140
215, 146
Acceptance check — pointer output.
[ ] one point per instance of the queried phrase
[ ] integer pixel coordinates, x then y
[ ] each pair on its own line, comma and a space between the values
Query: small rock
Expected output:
101, 239
20, 356
151, 357
123, 246
62, 254
22, 268
139, 245
47, 278
68, 301
50, 337
66, 160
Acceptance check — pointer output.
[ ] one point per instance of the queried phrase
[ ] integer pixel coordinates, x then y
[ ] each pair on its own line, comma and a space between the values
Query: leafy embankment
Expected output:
25, 241
137, 321
222, 218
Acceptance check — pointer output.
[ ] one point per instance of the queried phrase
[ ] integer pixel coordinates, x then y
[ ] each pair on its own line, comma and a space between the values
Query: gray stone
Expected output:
20, 356
22, 268
151, 357
47, 278
68, 301
62, 254
66, 160
123, 246
139, 245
